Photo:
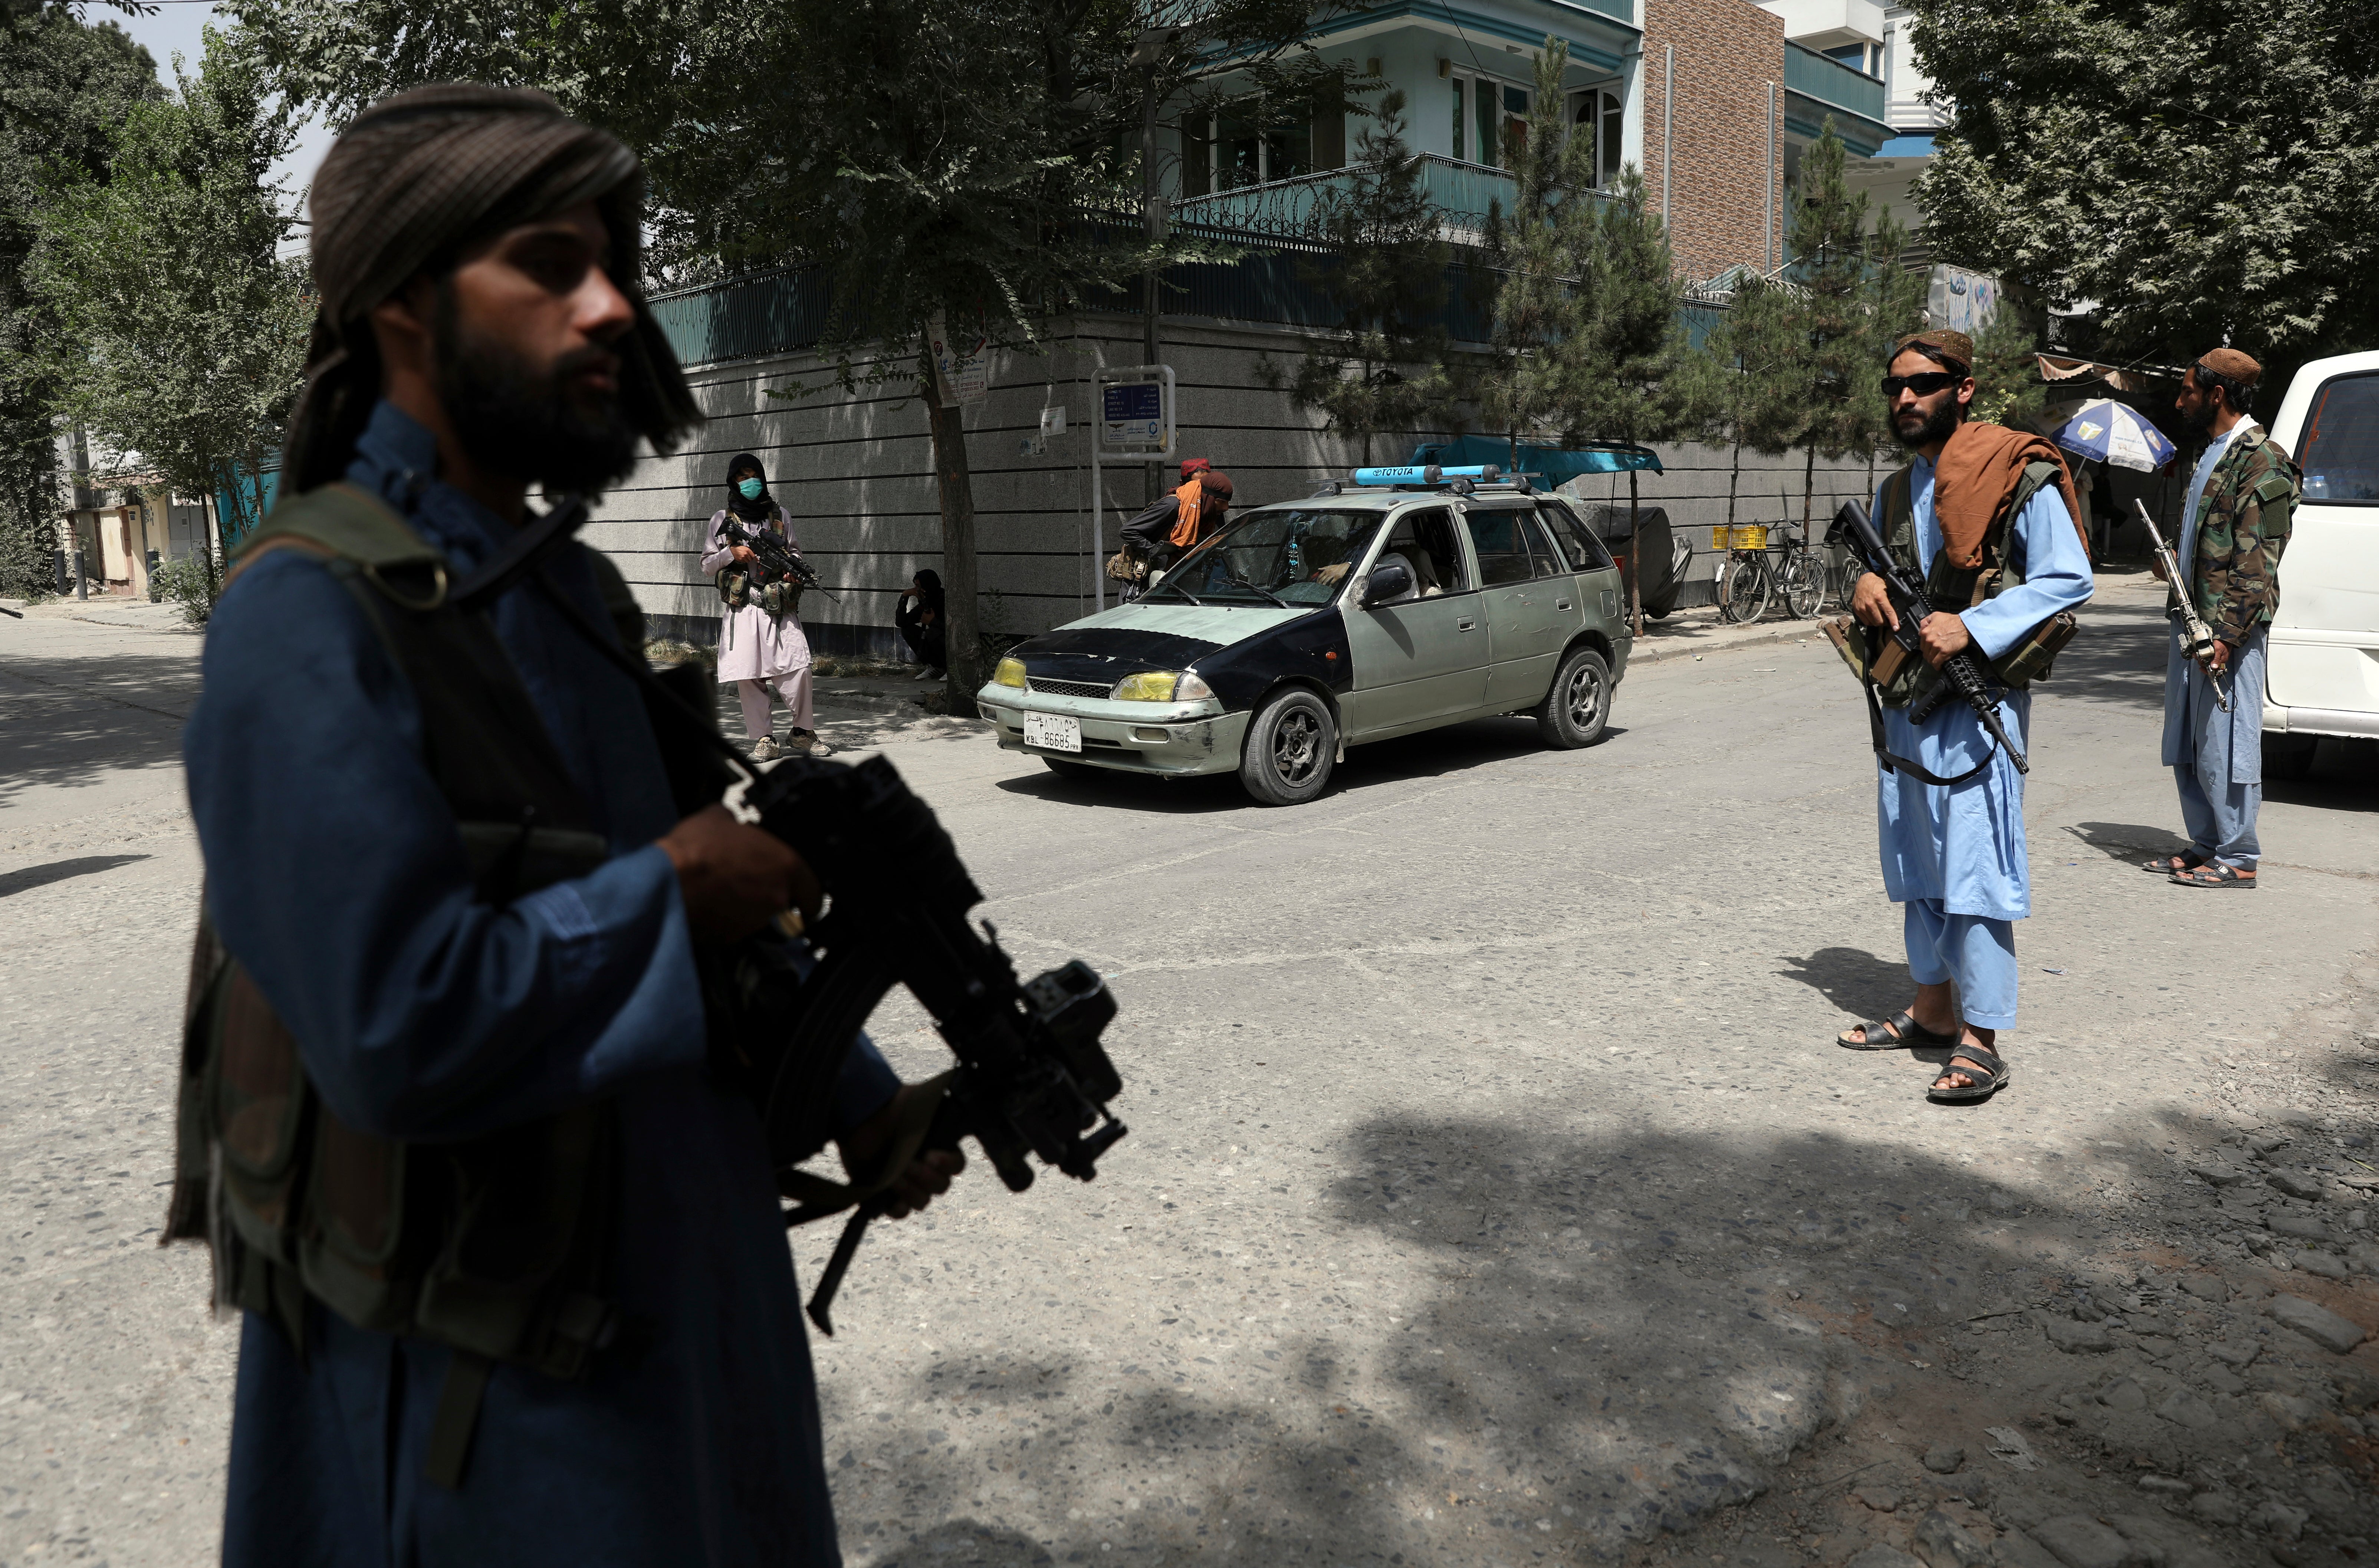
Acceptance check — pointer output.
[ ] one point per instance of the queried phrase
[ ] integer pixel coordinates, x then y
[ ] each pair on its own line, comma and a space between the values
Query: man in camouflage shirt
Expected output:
2234, 526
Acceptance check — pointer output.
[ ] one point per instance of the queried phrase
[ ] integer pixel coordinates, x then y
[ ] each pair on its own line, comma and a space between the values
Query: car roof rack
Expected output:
1432, 476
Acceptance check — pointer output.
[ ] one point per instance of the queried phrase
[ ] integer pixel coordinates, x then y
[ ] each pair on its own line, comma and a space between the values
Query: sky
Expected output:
174, 28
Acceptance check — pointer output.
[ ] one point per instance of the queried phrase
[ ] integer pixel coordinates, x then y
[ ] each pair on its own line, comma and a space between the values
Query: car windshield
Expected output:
2341, 443
1281, 555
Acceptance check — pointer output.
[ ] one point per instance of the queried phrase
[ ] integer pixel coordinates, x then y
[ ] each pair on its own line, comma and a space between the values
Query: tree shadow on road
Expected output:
1599, 1339
2118, 657
2129, 840
34, 876
66, 722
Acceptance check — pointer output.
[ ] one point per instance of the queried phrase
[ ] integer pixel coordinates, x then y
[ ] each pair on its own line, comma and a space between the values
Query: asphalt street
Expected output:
1494, 1193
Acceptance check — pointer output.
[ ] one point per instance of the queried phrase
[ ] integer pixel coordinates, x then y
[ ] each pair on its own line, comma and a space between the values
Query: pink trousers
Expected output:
791, 688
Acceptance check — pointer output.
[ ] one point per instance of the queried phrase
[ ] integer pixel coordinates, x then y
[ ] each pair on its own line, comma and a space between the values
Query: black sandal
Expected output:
1978, 1062
2172, 863
2213, 876
1882, 1036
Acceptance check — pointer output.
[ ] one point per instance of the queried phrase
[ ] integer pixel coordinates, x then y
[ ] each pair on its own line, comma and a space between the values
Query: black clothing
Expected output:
750, 511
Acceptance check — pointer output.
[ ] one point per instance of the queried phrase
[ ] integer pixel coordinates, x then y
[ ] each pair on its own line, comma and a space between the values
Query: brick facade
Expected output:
1729, 72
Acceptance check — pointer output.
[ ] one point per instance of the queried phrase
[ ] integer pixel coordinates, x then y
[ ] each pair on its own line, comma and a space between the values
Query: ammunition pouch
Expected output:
734, 587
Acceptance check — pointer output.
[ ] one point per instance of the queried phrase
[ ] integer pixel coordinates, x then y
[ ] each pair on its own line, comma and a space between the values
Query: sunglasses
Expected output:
1925, 384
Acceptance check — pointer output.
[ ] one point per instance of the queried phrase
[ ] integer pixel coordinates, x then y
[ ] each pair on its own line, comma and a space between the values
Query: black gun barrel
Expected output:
1962, 673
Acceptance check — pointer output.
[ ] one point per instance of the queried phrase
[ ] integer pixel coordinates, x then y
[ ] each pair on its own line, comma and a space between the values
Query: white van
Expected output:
2322, 674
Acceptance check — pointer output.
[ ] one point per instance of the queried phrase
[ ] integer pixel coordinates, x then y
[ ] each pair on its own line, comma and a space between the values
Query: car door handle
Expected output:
1465, 623
1561, 604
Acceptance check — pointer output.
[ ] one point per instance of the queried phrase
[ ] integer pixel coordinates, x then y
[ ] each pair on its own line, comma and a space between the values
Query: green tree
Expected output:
2201, 173
1386, 272
2008, 388
176, 329
64, 87
933, 161
1850, 298
1540, 260
1631, 376
1753, 358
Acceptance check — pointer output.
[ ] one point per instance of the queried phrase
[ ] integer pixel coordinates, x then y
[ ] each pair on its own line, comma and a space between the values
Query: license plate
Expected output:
1053, 731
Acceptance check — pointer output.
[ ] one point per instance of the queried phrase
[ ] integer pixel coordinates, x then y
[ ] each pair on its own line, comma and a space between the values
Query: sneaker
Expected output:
930, 675
766, 749
817, 747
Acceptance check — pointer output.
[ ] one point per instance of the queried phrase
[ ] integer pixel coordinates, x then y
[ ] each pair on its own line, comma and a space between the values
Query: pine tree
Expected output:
1754, 354
1633, 380
1540, 257
1387, 274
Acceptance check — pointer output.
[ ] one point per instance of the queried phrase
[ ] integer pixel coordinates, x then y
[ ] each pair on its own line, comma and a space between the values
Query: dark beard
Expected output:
1939, 427
519, 423
2201, 421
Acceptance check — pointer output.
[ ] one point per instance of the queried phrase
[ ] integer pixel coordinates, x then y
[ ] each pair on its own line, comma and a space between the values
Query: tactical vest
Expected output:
1899, 679
498, 1246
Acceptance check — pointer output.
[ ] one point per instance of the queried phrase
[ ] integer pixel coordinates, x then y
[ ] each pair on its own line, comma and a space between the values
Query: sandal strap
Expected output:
1982, 1056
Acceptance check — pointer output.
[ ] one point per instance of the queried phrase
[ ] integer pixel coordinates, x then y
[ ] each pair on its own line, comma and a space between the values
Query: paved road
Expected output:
1493, 1194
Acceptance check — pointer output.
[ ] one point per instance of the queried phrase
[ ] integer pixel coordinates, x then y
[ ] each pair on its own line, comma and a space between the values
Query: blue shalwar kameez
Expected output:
335, 875
1954, 855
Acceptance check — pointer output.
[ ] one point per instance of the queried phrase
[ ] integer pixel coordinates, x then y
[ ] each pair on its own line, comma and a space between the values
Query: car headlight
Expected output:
1161, 686
1009, 673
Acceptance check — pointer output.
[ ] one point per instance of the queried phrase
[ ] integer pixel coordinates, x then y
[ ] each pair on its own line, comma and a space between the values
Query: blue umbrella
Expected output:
2108, 431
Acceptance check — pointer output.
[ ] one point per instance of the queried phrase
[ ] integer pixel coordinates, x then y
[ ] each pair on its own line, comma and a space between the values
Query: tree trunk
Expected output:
1808, 488
1634, 560
958, 583
1733, 478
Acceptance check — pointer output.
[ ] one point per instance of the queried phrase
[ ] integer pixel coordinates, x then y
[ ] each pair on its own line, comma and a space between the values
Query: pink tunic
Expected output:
753, 644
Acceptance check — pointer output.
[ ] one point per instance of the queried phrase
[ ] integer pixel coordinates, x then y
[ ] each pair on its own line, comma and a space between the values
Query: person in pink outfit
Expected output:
765, 655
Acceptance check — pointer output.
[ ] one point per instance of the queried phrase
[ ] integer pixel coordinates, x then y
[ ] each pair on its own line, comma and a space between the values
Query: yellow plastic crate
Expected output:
1750, 536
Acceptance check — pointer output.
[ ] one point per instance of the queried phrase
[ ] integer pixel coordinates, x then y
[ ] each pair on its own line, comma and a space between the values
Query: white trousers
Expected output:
791, 688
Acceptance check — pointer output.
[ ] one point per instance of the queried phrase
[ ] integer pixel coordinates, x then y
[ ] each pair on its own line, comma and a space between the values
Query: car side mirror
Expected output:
1385, 583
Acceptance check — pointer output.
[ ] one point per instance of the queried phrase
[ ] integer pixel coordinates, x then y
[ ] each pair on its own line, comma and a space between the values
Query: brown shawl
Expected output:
1976, 477
416, 180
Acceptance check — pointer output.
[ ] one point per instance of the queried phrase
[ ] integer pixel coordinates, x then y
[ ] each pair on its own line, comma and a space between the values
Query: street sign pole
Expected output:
1133, 418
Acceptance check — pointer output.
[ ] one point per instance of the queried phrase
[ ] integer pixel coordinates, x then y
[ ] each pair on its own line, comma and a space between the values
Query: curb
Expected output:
1787, 631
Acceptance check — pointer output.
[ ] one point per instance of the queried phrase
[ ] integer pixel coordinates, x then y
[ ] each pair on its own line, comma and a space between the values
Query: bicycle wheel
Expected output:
1805, 584
1743, 595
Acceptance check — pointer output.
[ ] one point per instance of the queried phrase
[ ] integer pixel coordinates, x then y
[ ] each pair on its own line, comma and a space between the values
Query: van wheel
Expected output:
1291, 744
1072, 772
1578, 704
2289, 757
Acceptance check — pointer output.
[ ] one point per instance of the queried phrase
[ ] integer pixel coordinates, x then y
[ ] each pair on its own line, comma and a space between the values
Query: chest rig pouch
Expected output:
496, 1247
1901, 679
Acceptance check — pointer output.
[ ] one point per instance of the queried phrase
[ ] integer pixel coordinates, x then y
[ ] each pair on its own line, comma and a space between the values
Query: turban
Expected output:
1957, 345
2231, 366
414, 183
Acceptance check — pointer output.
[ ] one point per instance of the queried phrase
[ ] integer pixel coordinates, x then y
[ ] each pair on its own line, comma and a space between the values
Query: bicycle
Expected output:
1749, 577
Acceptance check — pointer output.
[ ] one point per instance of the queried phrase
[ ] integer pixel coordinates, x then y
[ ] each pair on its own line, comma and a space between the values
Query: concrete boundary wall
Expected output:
854, 472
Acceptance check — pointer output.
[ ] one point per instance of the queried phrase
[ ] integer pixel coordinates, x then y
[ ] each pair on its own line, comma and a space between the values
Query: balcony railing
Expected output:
1300, 208
1828, 81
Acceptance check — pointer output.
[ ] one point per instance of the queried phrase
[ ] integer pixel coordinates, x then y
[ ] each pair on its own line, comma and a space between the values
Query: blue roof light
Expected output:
1426, 474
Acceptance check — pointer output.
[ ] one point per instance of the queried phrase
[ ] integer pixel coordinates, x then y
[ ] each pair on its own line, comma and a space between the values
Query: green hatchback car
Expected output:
1406, 600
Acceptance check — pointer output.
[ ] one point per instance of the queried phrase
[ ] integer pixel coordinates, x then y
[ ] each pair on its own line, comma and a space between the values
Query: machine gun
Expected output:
1962, 673
2197, 638
779, 560
1032, 1078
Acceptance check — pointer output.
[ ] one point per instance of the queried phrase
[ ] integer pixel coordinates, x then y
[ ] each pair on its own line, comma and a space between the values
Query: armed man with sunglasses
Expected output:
1987, 518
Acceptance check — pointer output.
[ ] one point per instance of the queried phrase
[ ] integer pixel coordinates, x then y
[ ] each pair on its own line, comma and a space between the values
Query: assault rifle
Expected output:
2197, 638
1032, 1078
777, 559
1962, 673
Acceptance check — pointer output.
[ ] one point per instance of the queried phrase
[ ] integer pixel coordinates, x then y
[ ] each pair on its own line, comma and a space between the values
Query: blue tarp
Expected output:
1555, 467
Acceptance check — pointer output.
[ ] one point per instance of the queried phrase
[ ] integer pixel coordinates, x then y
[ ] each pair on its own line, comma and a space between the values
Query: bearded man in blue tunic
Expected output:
1987, 516
508, 1242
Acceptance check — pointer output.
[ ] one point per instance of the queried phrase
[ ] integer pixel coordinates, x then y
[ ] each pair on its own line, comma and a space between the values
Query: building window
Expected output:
1489, 118
1596, 112
1864, 57
1237, 146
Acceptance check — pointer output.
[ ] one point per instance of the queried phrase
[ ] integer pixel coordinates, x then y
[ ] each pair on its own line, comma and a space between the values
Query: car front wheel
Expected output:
1578, 704
1291, 744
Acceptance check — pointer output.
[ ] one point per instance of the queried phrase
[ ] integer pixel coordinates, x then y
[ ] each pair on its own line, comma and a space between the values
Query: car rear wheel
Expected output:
1075, 772
1291, 744
1578, 706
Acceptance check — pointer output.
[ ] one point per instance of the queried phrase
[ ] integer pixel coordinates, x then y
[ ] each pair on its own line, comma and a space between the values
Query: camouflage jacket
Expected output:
2242, 526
